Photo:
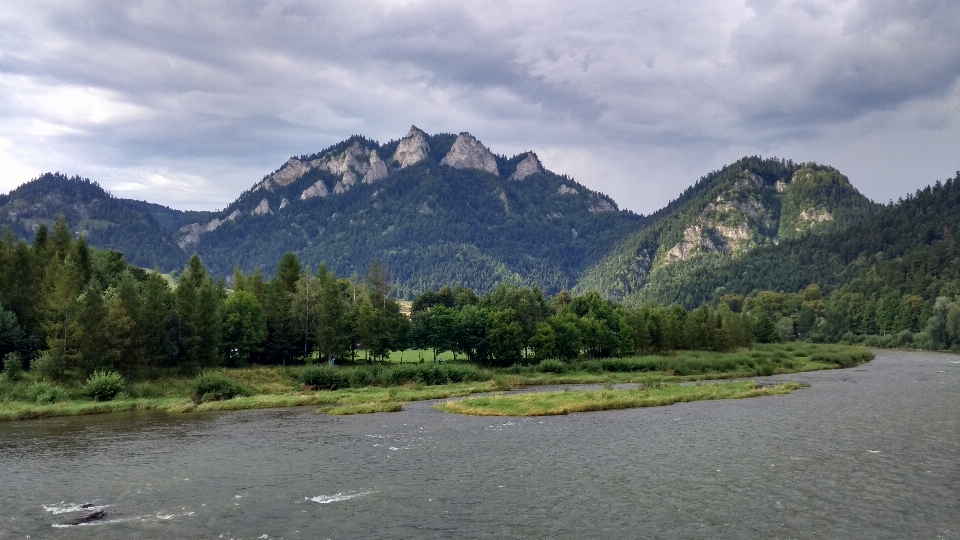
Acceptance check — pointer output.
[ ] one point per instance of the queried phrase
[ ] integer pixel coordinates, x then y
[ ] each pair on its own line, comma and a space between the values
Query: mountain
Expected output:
750, 205
141, 230
908, 248
436, 209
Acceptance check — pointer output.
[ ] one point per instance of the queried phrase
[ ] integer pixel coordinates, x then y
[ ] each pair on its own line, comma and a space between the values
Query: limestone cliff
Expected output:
412, 149
529, 166
733, 223
468, 153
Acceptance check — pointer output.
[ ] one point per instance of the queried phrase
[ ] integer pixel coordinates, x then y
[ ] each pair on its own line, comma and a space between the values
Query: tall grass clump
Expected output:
43, 393
551, 366
12, 367
325, 377
432, 374
214, 386
104, 385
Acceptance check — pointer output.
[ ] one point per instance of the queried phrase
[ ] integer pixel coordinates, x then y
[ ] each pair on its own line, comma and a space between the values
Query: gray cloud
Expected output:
189, 103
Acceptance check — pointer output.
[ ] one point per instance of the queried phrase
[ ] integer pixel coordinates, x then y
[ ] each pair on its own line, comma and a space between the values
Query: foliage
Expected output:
12, 367
325, 377
42, 392
104, 385
214, 386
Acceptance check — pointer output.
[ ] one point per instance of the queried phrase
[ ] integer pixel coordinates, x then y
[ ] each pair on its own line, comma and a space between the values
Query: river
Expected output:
869, 452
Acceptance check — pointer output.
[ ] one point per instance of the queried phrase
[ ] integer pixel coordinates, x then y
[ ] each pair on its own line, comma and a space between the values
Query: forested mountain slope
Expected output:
436, 209
752, 204
133, 227
907, 248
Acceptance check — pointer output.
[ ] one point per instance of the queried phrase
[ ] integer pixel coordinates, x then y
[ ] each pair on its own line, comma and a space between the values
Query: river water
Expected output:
870, 452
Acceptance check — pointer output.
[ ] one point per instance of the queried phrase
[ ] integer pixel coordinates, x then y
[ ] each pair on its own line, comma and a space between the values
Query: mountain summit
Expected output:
436, 209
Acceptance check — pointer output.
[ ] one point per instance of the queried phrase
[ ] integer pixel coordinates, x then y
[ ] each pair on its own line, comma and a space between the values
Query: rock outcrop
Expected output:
190, 234
262, 208
529, 166
412, 149
601, 204
567, 190
727, 224
356, 162
319, 189
468, 153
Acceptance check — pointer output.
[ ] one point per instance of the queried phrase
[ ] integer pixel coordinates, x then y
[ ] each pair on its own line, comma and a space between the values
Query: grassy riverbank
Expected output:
570, 401
384, 388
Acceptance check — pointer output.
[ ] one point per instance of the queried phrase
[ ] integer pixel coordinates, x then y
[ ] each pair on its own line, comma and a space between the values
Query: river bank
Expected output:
276, 387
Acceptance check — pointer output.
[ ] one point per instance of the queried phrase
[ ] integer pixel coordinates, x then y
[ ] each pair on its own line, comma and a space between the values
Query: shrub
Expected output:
430, 374
325, 377
12, 367
765, 369
551, 366
47, 365
43, 392
214, 386
104, 385
361, 378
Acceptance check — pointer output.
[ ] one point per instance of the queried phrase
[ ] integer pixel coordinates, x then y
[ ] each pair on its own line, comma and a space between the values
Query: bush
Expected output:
104, 385
551, 366
47, 365
325, 377
361, 378
12, 367
42, 393
431, 374
214, 386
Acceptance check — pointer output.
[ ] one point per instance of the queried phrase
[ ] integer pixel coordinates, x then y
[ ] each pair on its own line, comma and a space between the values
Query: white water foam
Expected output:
139, 519
327, 499
66, 508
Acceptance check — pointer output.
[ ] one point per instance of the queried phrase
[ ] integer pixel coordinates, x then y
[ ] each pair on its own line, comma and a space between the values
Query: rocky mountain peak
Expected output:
412, 149
529, 166
468, 153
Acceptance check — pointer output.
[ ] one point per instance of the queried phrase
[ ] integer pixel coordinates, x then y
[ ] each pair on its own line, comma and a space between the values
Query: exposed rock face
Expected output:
468, 153
284, 203
190, 234
567, 190
291, 171
412, 149
354, 163
694, 242
812, 217
529, 166
726, 225
262, 208
503, 199
318, 189
378, 169
601, 204
781, 186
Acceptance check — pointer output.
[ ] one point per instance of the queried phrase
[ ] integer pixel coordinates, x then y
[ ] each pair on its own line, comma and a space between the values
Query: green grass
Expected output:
275, 386
553, 403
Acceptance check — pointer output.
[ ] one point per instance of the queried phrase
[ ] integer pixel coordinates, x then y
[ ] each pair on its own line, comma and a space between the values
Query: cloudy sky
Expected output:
189, 103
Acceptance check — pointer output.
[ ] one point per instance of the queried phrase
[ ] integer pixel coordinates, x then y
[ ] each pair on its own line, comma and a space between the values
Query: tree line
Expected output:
67, 308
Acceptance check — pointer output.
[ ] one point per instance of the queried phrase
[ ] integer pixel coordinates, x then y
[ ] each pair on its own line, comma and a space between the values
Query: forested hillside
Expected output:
751, 204
436, 209
132, 227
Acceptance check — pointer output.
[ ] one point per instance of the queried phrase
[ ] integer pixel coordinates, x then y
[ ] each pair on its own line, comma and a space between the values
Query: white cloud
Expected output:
637, 99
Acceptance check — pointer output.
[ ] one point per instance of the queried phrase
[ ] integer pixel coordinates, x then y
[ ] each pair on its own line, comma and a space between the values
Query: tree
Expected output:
543, 342
764, 330
332, 339
12, 337
504, 337
304, 306
244, 328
